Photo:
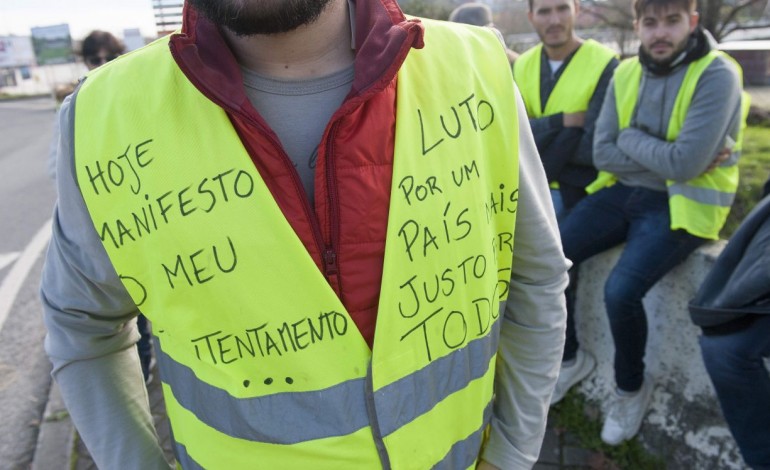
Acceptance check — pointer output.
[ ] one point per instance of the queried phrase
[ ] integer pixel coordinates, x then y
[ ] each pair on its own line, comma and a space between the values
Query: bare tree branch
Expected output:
732, 14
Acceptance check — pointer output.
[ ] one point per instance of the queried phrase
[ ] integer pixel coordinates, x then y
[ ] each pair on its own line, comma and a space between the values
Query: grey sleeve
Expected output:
532, 333
607, 155
53, 149
714, 113
91, 331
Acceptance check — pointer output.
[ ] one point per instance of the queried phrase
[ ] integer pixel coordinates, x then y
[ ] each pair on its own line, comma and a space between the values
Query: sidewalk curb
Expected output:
56, 439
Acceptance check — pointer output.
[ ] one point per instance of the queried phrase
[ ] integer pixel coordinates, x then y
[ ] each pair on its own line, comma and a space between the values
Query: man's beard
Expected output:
250, 17
677, 50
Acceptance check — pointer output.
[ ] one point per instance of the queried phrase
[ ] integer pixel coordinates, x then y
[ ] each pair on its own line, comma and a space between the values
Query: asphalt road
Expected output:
27, 197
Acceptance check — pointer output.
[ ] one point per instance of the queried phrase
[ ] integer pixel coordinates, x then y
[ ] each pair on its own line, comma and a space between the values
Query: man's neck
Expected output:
563, 51
310, 51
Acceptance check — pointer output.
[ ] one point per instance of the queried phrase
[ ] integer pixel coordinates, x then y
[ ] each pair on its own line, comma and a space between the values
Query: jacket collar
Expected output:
383, 38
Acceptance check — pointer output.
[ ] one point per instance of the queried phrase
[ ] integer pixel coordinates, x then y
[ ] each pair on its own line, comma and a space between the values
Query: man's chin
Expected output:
555, 43
662, 59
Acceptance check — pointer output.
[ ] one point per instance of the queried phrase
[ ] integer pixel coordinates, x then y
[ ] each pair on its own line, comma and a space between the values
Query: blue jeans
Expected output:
640, 218
558, 204
734, 363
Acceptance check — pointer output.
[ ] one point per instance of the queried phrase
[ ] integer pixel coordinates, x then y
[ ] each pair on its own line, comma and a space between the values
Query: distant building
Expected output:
754, 57
17, 57
168, 15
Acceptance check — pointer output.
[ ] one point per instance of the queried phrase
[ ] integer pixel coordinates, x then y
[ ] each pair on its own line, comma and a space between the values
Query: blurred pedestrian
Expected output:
479, 14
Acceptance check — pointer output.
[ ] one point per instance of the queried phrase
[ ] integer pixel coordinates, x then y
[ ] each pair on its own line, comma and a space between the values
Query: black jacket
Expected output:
737, 288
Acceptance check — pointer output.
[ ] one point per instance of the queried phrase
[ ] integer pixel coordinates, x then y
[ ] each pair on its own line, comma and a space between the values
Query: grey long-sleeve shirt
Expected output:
91, 332
640, 155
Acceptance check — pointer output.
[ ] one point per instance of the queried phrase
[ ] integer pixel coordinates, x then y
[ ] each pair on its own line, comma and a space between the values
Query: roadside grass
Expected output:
754, 167
581, 418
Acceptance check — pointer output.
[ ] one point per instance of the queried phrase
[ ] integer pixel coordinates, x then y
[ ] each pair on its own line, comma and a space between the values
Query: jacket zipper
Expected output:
327, 251
330, 251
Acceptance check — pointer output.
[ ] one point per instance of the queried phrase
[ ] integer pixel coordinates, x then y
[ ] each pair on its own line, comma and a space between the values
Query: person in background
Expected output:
563, 81
732, 307
98, 48
667, 141
301, 197
479, 14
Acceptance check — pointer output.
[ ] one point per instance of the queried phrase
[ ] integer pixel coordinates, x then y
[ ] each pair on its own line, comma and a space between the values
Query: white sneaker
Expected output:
626, 413
571, 375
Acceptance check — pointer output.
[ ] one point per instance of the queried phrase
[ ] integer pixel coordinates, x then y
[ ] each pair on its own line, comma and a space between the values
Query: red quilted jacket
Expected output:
345, 231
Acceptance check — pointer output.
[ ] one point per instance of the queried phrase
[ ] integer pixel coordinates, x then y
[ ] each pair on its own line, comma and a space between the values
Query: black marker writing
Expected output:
265, 340
412, 232
225, 260
479, 112
116, 171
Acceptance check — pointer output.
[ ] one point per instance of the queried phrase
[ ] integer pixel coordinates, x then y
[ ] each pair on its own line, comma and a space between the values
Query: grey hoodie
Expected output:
640, 155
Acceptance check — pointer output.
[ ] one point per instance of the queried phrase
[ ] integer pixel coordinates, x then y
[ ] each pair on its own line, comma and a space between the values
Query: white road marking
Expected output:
8, 258
15, 279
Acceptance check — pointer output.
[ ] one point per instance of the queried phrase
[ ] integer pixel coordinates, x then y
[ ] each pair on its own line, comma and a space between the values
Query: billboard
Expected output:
16, 51
53, 44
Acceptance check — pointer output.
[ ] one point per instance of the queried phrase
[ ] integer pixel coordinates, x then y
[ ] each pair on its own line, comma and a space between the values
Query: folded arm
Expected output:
607, 155
712, 115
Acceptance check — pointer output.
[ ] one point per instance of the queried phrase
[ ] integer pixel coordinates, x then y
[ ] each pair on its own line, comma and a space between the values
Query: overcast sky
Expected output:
18, 16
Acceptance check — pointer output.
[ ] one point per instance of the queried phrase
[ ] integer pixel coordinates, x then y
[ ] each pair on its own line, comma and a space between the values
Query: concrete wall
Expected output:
684, 425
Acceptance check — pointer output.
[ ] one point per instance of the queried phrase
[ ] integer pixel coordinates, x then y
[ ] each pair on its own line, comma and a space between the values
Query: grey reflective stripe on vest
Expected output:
184, 459
463, 453
446, 375
283, 418
708, 196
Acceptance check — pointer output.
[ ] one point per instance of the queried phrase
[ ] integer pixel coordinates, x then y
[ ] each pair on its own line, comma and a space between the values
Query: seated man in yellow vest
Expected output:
563, 81
348, 260
666, 137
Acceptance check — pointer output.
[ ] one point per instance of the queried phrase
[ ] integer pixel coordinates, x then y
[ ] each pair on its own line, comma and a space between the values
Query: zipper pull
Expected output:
330, 262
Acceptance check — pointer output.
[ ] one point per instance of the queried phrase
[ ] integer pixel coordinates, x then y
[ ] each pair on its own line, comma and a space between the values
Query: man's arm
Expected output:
91, 332
607, 155
713, 114
585, 151
545, 129
532, 333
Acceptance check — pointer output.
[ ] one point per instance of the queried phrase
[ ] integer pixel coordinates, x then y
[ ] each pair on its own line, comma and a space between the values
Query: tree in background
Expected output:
719, 17
435, 9
722, 17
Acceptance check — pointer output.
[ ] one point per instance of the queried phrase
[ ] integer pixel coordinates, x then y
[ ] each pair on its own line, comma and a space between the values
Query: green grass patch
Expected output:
582, 420
754, 167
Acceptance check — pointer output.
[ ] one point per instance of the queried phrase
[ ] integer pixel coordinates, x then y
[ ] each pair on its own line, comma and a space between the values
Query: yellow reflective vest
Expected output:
575, 87
700, 205
261, 364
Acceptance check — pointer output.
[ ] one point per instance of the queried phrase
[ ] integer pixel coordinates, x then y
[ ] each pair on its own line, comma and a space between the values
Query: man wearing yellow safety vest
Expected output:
343, 244
563, 81
667, 143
